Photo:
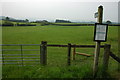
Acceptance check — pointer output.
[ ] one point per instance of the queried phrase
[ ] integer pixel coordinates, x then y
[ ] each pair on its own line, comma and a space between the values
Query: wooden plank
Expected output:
77, 46
57, 45
84, 54
115, 57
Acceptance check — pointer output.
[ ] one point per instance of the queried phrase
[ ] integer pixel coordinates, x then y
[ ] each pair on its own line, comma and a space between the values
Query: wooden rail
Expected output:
53, 45
114, 57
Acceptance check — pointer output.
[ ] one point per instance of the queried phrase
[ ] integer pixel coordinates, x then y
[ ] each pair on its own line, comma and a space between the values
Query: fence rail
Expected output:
52, 45
114, 57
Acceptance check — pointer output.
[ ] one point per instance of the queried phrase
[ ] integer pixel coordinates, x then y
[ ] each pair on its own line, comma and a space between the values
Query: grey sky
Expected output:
51, 10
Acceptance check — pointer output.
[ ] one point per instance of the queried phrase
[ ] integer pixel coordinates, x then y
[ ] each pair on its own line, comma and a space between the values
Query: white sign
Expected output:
100, 32
96, 15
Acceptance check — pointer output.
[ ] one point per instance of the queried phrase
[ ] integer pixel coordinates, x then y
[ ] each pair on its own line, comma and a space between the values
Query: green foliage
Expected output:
7, 23
108, 22
44, 23
11, 23
7, 18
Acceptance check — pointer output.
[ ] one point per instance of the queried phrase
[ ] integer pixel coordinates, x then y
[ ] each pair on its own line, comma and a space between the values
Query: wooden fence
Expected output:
42, 56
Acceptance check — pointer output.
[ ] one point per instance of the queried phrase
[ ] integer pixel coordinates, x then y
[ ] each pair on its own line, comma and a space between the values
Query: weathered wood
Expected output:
77, 46
115, 57
69, 54
74, 53
96, 59
21, 54
84, 54
97, 49
100, 14
119, 41
106, 57
50, 45
119, 57
43, 53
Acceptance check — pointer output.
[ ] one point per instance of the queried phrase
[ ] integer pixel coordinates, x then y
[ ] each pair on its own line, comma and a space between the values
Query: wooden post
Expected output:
2, 56
115, 57
69, 53
96, 59
106, 57
74, 53
100, 14
43, 53
119, 36
21, 54
119, 53
97, 48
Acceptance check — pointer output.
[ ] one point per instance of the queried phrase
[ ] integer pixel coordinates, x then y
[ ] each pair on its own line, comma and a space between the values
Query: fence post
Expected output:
43, 53
2, 57
69, 53
119, 55
74, 52
97, 48
106, 57
119, 42
21, 54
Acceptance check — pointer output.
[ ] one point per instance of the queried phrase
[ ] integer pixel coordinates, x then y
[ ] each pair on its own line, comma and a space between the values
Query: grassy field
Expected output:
57, 57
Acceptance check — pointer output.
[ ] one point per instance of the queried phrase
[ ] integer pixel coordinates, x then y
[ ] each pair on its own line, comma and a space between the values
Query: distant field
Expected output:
57, 57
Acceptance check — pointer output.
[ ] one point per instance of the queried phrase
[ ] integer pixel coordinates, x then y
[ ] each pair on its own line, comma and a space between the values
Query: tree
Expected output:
108, 22
62, 21
26, 20
7, 18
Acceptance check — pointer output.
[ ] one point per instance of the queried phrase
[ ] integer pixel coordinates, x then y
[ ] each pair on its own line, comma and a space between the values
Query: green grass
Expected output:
52, 34
57, 57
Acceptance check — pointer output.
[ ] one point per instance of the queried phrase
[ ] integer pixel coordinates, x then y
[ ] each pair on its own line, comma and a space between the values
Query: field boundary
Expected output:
42, 56
38, 58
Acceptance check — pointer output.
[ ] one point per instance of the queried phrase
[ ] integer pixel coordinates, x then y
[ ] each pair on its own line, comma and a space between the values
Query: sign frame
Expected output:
106, 31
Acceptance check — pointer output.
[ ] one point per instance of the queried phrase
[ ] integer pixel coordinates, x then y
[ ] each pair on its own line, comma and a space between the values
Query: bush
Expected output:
44, 23
7, 23
26, 25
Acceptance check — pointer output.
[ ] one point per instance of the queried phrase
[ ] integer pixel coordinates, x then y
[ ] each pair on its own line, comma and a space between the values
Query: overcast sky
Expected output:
50, 10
